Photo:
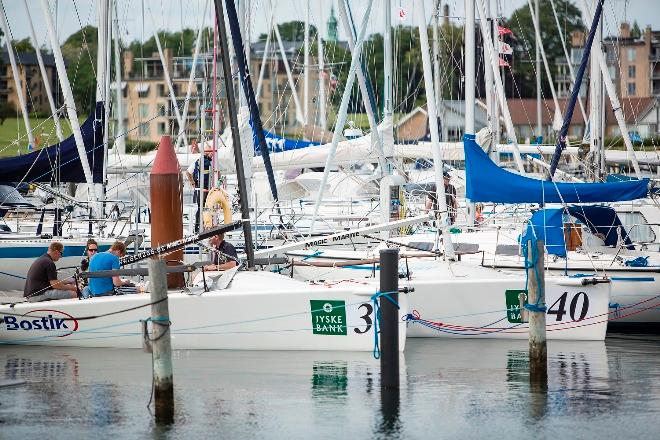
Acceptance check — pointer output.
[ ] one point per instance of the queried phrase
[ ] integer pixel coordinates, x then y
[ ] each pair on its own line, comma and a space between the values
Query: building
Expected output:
32, 83
640, 114
147, 105
632, 61
414, 125
276, 103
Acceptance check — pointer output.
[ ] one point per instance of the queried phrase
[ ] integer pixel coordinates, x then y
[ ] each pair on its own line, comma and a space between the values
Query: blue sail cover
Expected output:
487, 182
278, 144
61, 162
547, 225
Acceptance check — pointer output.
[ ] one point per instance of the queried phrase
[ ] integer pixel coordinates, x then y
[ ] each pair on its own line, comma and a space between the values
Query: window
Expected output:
632, 54
631, 71
162, 128
632, 89
637, 227
143, 130
143, 110
162, 91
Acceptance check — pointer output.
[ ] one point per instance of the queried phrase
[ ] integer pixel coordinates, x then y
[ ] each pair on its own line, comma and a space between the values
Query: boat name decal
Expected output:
51, 322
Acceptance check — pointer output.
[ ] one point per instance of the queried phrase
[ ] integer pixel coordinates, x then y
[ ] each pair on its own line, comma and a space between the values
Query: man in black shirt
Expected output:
42, 283
224, 256
450, 199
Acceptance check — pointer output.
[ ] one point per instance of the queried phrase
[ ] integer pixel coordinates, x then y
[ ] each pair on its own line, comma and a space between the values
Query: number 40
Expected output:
561, 306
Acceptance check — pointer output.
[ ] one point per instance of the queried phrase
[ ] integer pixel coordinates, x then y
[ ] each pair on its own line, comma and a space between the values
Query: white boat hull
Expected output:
260, 311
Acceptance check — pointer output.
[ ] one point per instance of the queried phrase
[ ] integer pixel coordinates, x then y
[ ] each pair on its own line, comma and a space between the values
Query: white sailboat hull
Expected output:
260, 311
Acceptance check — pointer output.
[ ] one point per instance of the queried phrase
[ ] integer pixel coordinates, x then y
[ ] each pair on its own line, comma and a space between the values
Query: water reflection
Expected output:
453, 389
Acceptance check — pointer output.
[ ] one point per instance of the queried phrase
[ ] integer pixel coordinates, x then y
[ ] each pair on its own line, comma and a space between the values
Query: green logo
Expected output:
328, 317
513, 305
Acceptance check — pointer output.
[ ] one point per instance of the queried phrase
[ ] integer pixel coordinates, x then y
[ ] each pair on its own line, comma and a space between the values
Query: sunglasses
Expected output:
92, 249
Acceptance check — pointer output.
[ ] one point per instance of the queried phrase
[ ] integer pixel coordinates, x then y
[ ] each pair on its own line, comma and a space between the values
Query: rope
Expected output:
529, 264
374, 298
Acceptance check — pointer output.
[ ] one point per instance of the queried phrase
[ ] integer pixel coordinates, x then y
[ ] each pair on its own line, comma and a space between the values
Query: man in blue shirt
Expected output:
106, 261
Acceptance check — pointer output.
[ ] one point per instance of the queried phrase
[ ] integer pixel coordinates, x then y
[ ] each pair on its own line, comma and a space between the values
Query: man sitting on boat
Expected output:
108, 260
224, 254
42, 283
450, 198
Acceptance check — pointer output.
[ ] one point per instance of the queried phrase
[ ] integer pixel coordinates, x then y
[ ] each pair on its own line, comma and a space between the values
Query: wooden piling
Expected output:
389, 312
167, 204
538, 352
161, 344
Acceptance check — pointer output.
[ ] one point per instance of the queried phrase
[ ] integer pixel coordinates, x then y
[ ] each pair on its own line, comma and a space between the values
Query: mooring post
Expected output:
389, 318
538, 352
161, 345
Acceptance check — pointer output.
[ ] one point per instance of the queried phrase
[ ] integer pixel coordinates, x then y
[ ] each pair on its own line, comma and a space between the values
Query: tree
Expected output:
636, 31
524, 40
79, 52
293, 31
23, 45
7, 110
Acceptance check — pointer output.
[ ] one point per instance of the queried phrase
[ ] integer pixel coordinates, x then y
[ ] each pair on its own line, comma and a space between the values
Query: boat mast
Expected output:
433, 126
493, 58
388, 105
306, 65
120, 136
68, 100
264, 57
563, 133
236, 138
469, 67
616, 105
595, 102
44, 75
362, 82
16, 75
342, 112
534, 13
322, 115
191, 78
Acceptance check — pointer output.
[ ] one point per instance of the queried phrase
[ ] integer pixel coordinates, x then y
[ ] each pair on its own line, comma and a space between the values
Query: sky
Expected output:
139, 18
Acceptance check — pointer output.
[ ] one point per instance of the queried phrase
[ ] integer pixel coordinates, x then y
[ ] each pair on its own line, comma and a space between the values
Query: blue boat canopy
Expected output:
548, 224
487, 182
61, 162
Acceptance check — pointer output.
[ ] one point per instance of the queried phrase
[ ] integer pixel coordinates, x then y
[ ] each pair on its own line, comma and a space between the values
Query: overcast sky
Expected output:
174, 15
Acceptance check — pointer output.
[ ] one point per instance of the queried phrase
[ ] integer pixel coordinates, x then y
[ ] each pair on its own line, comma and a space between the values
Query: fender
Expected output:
216, 197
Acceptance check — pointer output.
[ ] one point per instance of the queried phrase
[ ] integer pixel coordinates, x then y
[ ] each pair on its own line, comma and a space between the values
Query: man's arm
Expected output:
118, 282
190, 179
63, 285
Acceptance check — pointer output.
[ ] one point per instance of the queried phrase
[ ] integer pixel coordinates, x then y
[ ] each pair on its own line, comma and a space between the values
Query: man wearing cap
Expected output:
450, 198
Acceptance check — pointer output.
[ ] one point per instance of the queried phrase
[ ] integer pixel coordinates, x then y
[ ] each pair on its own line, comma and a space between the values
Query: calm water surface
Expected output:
450, 389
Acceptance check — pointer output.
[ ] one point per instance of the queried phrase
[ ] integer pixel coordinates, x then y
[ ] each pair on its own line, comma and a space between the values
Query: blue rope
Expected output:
374, 298
638, 262
529, 264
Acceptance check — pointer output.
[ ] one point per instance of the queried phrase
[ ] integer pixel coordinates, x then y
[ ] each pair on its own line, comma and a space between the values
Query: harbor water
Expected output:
465, 389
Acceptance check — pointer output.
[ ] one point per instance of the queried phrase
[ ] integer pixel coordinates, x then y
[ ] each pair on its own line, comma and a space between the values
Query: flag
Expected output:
504, 48
402, 14
503, 31
503, 63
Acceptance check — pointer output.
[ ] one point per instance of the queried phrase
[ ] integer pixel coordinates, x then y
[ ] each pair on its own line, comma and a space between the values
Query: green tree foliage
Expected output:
524, 42
23, 45
293, 31
636, 32
7, 110
79, 52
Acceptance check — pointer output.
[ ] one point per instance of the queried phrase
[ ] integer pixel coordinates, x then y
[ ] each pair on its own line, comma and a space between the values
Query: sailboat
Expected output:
242, 310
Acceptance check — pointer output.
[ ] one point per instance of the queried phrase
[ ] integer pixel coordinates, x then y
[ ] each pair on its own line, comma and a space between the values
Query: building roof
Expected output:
290, 47
28, 58
523, 111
